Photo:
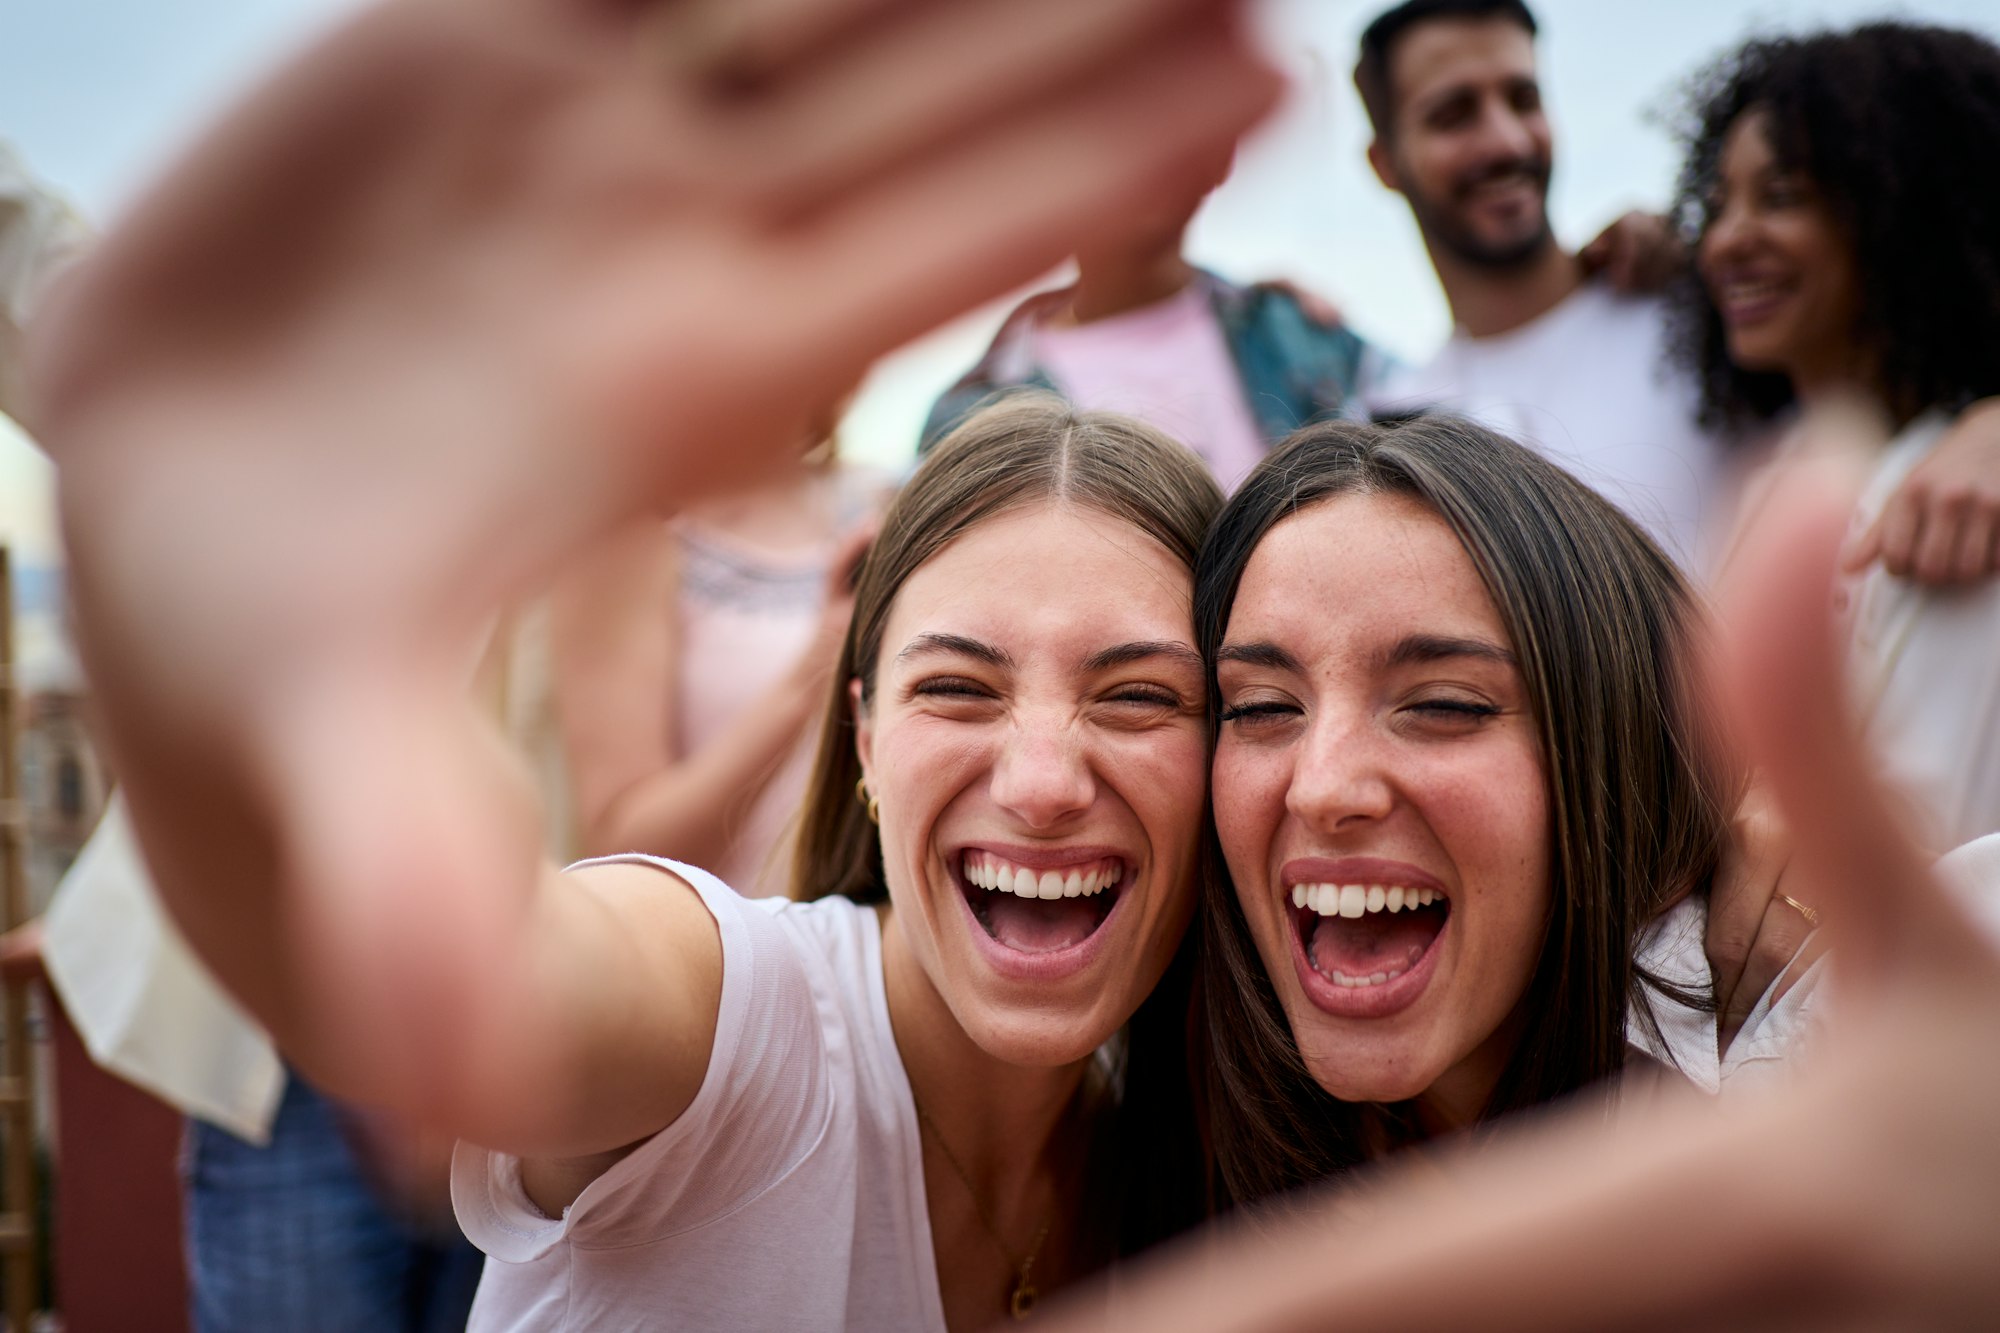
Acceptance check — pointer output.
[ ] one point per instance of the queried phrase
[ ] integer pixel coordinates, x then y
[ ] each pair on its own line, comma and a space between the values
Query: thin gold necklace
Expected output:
1022, 1302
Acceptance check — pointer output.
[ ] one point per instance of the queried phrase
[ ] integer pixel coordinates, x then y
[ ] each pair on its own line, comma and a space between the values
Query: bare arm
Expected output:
616, 660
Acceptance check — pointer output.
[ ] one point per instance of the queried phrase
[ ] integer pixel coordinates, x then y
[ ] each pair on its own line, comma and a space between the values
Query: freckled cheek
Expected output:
1248, 793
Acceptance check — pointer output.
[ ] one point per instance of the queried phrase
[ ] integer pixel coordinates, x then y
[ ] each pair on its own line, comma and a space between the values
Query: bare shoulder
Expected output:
655, 911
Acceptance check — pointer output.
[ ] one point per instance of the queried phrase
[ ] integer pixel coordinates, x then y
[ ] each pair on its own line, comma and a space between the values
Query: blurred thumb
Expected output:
1780, 690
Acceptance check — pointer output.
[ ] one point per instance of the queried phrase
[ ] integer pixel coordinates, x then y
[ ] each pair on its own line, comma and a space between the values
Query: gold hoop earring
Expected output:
861, 795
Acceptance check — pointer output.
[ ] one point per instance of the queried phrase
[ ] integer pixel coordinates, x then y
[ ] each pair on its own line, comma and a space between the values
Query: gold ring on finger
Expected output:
1811, 914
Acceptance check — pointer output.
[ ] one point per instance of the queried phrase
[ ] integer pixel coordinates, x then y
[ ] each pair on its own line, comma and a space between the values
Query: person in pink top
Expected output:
690, 657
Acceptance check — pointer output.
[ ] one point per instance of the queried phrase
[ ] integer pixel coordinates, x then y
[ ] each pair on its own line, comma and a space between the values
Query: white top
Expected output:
147, 1009
1773, 1037
1588, 385
789, 1194
1925, 666
1167, 364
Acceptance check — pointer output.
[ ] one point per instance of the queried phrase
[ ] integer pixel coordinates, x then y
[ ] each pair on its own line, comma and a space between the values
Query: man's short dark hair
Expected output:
1378, 45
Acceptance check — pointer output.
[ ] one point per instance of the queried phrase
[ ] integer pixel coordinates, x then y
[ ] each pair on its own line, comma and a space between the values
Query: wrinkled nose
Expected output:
1042, 774
1342, 778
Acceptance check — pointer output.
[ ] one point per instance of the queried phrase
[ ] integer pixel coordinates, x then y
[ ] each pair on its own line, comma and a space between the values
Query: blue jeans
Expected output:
291, 1237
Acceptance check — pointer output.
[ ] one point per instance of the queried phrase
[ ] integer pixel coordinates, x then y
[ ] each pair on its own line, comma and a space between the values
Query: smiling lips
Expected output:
1044, 911
1360, 936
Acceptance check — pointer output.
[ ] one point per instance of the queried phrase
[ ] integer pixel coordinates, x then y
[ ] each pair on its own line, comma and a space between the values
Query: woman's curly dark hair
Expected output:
1898, 126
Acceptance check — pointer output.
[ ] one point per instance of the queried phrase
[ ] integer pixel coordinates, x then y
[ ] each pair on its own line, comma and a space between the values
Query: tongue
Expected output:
1040, 925
1378, 942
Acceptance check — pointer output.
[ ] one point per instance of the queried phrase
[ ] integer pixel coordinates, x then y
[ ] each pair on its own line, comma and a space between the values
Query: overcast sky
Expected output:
95, 93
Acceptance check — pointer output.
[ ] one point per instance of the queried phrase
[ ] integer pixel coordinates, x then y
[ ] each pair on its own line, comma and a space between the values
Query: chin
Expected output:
1384, 1079
1035, 1038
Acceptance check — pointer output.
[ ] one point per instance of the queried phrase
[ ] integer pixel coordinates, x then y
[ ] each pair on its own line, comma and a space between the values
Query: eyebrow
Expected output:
1124, 654
1413, 650
955, 645
1260, 654
1420, 648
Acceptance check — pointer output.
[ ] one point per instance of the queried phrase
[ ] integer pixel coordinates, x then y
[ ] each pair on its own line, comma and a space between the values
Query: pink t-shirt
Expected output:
1166, 364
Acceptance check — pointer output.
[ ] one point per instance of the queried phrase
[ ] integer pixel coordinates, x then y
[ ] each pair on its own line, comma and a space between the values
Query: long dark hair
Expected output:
1638, 810
1898, 126
1027, 447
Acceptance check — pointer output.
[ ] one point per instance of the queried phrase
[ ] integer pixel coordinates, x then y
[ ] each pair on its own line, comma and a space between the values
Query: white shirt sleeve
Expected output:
763, 1106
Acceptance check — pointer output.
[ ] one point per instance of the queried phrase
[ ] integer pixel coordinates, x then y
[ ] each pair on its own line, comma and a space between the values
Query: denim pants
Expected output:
291, 1237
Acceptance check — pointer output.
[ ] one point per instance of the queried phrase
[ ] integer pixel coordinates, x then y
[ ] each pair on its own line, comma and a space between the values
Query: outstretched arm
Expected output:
467, 286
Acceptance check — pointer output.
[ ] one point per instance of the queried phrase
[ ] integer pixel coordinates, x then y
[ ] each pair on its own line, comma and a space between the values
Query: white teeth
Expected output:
1340, 978
1355, 900
987, 872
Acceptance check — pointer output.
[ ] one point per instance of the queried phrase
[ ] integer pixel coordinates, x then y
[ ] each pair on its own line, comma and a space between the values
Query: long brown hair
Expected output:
1598, 618
1022, 449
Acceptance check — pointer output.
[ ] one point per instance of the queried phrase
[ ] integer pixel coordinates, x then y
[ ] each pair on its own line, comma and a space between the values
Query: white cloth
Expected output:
1167, 364
145, 1007
1925, 667
1777, 1033
1780, 1030
789, 1194
1587, 384
39, 233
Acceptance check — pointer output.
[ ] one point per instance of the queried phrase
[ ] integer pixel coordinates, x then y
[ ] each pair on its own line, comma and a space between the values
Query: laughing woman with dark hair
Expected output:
1841, 192
1468, 811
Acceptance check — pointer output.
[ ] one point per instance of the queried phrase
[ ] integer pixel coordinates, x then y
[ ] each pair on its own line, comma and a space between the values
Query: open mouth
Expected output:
1359, 936
1040, 909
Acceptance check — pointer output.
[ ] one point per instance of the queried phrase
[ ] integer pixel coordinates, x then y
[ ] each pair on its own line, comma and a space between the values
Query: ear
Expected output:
1384, 163
864, 730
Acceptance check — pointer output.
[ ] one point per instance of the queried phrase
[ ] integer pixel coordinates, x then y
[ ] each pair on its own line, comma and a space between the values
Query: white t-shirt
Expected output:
789, 1194
1167, 364
1588, 385
1925, 666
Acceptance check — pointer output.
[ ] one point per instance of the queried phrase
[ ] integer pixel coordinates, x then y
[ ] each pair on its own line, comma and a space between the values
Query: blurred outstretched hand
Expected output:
465, 285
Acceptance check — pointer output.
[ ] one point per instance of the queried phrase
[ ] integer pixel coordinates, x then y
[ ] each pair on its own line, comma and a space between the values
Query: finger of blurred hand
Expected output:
1974, 553
1781, 688
893, 260
1936, 554
1901, 526
1863, 550
750, 40
1740, 903
934, 74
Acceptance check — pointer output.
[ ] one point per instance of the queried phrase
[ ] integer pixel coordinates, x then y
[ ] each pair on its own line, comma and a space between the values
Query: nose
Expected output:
1504, 135
1729, 236
1042, 774
1342, 778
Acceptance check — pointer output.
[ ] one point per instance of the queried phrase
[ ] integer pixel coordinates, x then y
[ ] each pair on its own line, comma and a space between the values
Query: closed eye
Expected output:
1259, 710
959, 687
1152, 696
1453, 711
